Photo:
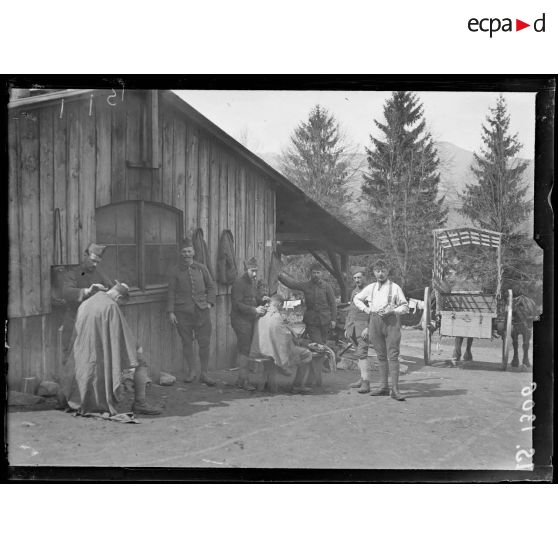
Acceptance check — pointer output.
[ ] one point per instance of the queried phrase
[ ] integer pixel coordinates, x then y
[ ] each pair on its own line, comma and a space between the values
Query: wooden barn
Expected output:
136, 170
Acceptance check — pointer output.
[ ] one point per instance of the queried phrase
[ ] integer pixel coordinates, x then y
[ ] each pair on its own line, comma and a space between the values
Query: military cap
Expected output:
251, 263
122, 289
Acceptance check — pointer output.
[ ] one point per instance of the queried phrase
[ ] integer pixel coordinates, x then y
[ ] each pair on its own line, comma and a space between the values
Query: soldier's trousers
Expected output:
196, 325
385, 336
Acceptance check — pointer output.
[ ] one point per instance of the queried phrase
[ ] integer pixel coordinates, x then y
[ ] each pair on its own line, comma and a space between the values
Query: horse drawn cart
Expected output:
465, 298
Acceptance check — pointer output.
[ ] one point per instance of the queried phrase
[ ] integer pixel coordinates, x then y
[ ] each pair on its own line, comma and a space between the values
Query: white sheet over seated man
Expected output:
104, 347
274, 339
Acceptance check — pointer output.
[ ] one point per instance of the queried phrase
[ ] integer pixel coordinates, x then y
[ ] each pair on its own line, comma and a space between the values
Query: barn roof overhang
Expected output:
303, 226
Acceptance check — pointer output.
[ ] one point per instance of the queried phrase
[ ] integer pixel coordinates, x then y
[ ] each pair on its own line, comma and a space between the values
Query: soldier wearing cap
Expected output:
246, 308
192, 292
321, 308
80, 284
355, 323
384, 301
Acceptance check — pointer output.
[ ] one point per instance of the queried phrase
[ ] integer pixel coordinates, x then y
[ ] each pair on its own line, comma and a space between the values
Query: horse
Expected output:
524, 313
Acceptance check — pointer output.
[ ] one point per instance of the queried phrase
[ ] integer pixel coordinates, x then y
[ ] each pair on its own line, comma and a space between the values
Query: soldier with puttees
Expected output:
355, 323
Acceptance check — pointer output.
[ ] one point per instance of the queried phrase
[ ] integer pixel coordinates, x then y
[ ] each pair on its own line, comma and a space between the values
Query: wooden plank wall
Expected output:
77, 161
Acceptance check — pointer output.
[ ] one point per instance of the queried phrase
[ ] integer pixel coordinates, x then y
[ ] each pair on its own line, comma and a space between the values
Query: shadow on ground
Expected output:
186, 399
415, 389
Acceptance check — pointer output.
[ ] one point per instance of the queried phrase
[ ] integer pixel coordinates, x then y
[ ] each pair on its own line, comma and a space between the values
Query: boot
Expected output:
356, 384
188, 374
207, 380
365, 387
384, 387
394, 376
365, 377
243, 382
143, 408
140, 406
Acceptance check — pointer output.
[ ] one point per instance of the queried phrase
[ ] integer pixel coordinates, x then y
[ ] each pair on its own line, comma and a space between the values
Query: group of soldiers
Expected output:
102, 345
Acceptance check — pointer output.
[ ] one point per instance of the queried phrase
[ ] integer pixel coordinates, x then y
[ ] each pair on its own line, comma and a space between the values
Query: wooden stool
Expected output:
266, 368
313, 371
316, 369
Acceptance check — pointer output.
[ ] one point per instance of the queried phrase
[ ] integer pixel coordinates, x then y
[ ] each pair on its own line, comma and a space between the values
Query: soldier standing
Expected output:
191, 294
356, 323
385, 302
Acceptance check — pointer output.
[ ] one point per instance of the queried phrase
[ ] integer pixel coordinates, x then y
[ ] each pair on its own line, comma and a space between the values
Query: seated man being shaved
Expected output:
273, 338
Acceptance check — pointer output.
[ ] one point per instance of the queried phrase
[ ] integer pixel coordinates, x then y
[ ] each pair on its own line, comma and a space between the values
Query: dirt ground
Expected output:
454, 418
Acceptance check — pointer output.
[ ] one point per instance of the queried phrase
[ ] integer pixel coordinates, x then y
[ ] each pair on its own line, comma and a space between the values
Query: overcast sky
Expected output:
269, 117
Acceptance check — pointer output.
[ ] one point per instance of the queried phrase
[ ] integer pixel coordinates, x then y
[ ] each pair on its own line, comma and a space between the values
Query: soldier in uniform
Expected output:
246, 307
80, 284
321, 308
355, 324
192, 292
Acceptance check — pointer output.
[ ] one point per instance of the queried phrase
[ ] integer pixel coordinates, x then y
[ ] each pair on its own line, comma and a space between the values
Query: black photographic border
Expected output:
543, 355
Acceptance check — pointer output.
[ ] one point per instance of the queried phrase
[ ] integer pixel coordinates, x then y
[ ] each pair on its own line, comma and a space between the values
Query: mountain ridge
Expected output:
455, 173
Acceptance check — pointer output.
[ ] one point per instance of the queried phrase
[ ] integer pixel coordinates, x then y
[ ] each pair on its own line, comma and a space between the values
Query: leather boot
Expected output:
243, 382
365, 383
143, 408
394, 377
207, 380
363, 375
188, 374
384, 387
365, 387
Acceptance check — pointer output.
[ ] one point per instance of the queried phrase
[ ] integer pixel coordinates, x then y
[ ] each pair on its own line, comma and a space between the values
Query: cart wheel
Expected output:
506, 338
426, 325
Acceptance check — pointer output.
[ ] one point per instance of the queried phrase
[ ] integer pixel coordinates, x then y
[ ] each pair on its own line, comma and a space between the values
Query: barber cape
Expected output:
273, 338
103, 348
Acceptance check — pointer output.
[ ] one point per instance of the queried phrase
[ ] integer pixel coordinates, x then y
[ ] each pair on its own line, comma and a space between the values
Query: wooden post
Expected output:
335, 270
338, 274
345, 269
154, 97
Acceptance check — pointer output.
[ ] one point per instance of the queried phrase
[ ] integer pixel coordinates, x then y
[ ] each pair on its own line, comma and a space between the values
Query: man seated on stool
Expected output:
104, 347
274, 339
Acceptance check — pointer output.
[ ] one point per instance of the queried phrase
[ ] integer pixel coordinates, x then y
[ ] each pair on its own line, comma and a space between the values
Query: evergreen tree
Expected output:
401, 190
319, 161
496, 199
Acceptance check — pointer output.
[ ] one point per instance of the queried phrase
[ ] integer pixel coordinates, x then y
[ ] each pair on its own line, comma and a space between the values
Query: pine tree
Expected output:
496, 199
319, 161
401, 190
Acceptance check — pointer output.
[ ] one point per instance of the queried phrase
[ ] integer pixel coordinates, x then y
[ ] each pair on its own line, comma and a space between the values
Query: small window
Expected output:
142, 242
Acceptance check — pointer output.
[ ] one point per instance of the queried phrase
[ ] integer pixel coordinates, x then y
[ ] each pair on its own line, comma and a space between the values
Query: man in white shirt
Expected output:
385, 302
